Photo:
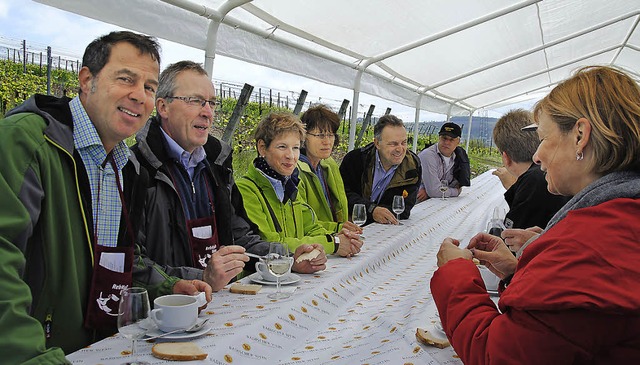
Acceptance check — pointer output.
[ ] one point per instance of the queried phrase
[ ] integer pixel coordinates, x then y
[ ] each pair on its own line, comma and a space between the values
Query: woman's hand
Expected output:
309, 266
449, 250
494, 254
515, 238
350, 226
350, 243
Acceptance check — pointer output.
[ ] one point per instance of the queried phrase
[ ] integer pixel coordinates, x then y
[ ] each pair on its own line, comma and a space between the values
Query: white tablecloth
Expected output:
363, 310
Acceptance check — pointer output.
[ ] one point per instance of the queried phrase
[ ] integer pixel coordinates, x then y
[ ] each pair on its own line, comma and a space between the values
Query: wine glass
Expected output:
279, 262
444, 186
133, 309
359, 215
495, 226
398, 206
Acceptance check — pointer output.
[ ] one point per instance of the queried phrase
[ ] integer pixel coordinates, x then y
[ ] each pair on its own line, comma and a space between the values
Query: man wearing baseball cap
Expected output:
445, 160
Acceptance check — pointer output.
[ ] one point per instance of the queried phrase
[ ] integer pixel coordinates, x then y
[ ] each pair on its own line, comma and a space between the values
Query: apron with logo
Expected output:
107, 281
202, 232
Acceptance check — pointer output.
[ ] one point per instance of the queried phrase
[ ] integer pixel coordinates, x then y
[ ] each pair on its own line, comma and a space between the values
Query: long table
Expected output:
363, 310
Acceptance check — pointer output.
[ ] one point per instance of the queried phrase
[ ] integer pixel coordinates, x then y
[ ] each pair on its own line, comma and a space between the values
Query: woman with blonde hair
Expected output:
573, 296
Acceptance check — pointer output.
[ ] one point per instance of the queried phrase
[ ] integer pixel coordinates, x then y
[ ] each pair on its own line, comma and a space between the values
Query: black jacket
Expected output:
163, 237
530, 203
357, 173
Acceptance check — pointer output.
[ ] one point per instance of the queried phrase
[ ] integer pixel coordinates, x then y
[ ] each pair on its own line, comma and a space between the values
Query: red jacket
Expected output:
575, 296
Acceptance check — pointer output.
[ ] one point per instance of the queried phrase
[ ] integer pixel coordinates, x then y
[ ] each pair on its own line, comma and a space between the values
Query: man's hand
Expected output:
449, 250
494, 254
352, 227
384, 216
350, 243
505, 177
224, 265
515, 238
422, 195
193, 287
309, 266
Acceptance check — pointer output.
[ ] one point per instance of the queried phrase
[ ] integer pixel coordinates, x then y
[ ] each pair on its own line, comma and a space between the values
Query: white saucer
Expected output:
180, 335
290, 278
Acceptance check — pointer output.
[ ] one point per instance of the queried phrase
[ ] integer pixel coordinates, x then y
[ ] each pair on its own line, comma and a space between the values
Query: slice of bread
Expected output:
427, 338
178, 351
308, 255
239, 288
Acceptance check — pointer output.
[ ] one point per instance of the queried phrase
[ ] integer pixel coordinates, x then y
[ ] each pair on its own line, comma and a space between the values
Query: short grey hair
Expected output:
168, 77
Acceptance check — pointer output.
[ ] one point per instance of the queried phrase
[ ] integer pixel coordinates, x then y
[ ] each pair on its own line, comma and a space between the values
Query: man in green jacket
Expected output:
66, 181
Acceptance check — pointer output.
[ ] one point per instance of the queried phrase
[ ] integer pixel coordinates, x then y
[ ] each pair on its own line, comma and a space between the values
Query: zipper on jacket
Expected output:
48, 324
293, 211
82, 213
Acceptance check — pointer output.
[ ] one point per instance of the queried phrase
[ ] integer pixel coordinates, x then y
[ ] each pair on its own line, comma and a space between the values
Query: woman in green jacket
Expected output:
270, 187
321, 184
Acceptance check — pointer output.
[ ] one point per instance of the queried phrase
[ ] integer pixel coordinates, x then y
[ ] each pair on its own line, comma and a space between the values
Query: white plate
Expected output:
290, 278
180, 335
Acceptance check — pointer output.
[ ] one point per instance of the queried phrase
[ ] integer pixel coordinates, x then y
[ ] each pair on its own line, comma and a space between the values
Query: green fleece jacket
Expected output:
46, 253
310, 191
297, 220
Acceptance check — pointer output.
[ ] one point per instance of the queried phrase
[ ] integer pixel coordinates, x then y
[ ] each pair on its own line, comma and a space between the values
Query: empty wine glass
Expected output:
398, 206
279, 262
444, 186
359, 216
133, 309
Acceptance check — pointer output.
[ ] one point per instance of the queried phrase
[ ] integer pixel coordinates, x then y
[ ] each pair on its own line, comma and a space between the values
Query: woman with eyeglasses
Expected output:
270, 192
321, 184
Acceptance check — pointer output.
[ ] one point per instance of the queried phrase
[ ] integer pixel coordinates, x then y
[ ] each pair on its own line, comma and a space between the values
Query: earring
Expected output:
579, 155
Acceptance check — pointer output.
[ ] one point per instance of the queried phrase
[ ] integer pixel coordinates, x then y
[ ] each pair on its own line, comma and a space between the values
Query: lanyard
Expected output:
125, 211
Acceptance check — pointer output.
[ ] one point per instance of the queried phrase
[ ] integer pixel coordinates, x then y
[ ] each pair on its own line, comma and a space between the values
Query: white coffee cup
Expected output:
176, 311
263, 270
491, 281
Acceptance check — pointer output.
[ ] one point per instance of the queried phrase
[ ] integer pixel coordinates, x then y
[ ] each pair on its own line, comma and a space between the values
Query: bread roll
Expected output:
251, 289
308, 255
428, 339
178, 351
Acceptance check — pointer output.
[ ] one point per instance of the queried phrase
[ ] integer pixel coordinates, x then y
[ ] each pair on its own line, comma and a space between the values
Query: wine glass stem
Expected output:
134, 355
278, 285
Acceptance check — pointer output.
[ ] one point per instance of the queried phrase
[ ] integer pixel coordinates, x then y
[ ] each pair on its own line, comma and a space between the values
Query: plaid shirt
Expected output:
105, 198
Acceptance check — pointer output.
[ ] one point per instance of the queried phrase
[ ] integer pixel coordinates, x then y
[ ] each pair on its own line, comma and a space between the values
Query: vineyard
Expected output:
16, 86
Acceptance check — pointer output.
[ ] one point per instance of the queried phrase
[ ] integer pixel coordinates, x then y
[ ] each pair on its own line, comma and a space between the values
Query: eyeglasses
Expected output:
193, 101
323, 135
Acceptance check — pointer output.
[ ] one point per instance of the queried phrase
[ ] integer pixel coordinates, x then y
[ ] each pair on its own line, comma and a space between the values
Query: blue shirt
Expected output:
381, 179
188, 160
105, 198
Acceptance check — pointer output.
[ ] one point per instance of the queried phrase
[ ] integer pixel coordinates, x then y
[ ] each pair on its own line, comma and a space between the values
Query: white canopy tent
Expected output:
445, 56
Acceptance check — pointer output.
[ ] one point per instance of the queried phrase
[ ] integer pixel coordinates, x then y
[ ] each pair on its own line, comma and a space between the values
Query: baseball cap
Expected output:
451, 130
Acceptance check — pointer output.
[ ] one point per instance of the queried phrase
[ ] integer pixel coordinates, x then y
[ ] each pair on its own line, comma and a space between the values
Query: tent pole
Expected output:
354, 111
415, 124
469, 130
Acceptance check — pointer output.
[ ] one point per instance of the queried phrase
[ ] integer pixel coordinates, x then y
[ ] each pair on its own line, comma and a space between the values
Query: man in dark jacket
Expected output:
530, 203
194, 223
377, 172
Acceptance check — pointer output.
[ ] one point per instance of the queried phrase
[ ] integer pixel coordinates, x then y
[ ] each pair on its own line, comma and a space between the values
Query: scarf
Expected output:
289, 183
615, 185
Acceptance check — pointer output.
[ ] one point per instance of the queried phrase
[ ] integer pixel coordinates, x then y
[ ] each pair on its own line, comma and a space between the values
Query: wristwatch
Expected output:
336, 243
